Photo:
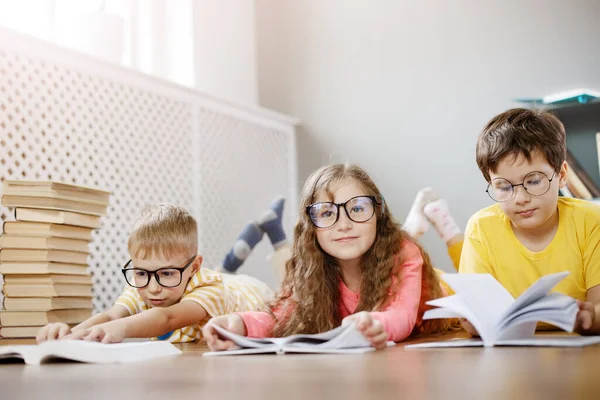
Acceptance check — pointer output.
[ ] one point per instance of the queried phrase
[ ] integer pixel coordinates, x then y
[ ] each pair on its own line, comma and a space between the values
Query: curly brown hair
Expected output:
310, 295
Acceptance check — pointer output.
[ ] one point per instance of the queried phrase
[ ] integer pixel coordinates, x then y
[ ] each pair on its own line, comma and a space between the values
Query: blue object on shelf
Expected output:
581, 96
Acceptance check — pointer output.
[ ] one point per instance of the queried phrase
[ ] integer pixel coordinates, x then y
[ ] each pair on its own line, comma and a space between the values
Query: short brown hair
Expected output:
163, 230
521, 131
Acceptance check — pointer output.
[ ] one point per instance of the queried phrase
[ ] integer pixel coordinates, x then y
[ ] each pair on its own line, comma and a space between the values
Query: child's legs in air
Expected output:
427, 209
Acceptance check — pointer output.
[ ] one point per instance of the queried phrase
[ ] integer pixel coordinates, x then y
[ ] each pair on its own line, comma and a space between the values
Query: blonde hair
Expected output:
310, 296
163, 230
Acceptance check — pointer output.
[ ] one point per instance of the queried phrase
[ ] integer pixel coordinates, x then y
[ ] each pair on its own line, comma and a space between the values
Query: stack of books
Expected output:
44, 255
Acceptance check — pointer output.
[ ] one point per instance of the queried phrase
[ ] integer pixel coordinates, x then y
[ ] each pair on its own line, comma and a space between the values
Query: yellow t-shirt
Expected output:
217, 293
492, 247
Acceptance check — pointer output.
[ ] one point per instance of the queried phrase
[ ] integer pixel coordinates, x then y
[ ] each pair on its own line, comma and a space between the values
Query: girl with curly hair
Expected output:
350, 262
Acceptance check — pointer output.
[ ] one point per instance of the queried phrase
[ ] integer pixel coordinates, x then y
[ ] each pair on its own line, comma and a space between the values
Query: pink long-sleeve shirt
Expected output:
399, 315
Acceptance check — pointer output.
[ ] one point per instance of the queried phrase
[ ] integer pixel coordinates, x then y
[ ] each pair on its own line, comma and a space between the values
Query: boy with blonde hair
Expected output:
170, 296
531, 231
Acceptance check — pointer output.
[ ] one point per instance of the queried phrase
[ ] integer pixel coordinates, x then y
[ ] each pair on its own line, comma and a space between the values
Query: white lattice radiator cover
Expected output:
70, 118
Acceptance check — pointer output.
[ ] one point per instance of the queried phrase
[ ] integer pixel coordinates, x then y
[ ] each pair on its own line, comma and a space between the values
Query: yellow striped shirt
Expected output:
217, 293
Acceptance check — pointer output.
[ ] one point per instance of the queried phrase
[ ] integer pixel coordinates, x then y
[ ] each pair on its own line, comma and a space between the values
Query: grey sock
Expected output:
271, 222
249, 237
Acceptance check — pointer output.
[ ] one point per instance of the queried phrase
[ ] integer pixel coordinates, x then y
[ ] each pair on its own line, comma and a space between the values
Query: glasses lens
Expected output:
536, 183
360, 209
136, 277
323, 215
169, 277
500, 189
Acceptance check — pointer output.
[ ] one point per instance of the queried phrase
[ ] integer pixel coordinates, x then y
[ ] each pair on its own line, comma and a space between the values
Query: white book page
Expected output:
244, 341
447, 343
486, 298
554, 341
317, 338
536, 341
347, 337
93, 352
453, 306
535, 292
564, 319
265, 349
519, 330
16, 351
553, 304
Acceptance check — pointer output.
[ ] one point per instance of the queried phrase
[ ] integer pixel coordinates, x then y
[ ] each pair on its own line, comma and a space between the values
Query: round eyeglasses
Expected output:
535, 183
358, 209
165, 277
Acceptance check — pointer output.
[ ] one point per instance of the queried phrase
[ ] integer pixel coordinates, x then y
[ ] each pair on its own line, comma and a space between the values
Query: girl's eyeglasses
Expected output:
358, 209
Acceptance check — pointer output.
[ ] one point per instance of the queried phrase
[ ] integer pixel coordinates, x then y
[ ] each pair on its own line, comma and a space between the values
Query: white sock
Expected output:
438, 213
416, 223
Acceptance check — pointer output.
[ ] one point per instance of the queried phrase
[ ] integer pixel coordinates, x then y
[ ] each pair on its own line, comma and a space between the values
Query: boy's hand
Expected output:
53, 331
371, 328
585, 317
233, 323
104, 333
467, 326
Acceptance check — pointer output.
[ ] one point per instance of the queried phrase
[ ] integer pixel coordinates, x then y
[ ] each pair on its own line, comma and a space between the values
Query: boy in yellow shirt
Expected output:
531, 231
169, 295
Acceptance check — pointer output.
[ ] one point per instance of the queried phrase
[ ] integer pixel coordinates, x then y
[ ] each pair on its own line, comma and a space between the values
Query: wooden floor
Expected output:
468, 373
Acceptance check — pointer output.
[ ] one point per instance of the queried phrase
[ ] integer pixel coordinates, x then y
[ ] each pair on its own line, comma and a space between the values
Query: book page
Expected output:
244, 341
16, 351
550, 306
554, 341
454, 307
94, 352
535, 292
343, 337
563, 319
485, 298
340, 338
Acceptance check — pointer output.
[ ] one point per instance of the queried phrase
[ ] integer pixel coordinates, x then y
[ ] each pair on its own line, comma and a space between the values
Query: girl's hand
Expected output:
53, 331
233, 323
371, 328
103, 333
585, 317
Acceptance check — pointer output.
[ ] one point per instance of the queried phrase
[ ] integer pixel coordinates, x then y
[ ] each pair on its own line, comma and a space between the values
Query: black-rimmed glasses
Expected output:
535, 183
165, 277
358, 209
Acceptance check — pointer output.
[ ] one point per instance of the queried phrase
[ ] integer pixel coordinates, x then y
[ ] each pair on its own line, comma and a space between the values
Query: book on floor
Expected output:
45, 229
12, 341
41, 318
341, 340
545, 340
27, 255
43, 243
45, 303
42, 268
47, 290
57, 217
56, 190
89, 352
497, 316
15, 332
53, 204
21, 279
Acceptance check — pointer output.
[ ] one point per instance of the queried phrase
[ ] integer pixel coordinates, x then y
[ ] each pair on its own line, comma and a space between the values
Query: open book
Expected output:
89, 352
502, 320
341, 340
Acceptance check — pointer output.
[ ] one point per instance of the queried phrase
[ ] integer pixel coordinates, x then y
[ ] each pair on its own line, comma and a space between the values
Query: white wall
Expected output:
225, 50
404, 87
